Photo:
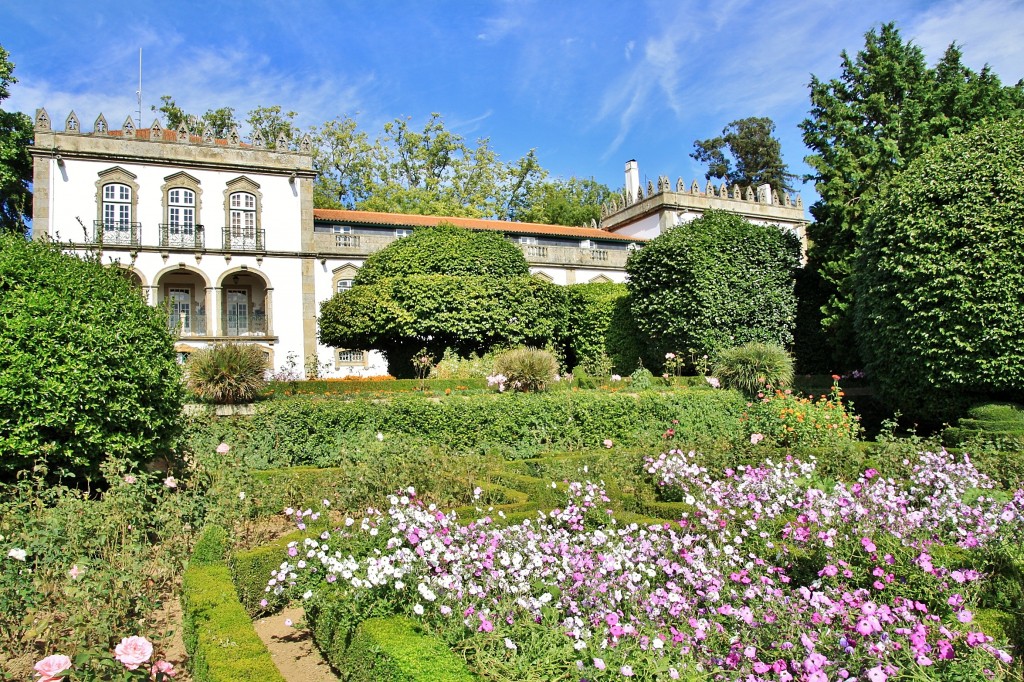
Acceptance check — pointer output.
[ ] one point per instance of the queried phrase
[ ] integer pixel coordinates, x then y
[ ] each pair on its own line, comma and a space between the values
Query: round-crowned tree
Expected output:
940, 313
443, 287
445, 250
715, 283
87, 370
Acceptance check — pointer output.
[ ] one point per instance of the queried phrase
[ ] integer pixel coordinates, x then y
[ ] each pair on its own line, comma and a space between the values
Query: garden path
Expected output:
292, 648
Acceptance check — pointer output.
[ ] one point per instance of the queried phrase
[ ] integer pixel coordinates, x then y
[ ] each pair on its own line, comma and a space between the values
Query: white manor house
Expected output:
224, 233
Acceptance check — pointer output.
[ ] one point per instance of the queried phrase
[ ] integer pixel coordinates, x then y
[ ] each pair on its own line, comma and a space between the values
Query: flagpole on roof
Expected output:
138, 93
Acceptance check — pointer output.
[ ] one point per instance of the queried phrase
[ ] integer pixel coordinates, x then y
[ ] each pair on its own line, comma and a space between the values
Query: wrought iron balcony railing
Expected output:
116, 232
187, 324
254, 324
182, 235
244, 239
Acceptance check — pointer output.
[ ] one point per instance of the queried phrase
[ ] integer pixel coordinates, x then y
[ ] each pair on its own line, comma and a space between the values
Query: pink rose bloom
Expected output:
163, 667
756, 438
129, 479
223, 449
51, 666
608, 442
170, 482
133, 651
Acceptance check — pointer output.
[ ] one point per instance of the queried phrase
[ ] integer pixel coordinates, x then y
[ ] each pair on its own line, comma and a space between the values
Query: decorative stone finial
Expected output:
208, 134
128, 129
233, 138
694, 188
281, 144
709, 189
42, 120
156, 131
257, 139
100, 126
182, 133
680, 186
71, 124
749, 194
306, 145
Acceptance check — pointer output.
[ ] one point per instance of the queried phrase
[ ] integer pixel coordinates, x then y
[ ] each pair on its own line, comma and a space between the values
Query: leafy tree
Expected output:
345, 162
589, 319
574, 202
221, 121
715, 283
886, 108
939, 311
88, 369
15, 161
747, 154
445, 250
440, 288
272, 122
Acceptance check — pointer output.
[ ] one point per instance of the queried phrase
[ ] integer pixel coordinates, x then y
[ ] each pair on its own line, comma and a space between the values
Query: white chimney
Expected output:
764, 194
632, 179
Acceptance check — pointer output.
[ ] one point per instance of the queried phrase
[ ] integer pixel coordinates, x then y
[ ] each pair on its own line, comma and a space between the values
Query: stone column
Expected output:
268, 310
214, 296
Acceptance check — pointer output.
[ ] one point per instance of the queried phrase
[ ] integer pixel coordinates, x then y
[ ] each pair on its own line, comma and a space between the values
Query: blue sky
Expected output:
588, 84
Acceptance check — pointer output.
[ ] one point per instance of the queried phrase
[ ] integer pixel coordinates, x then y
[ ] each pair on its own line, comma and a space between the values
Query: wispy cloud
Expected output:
988, 31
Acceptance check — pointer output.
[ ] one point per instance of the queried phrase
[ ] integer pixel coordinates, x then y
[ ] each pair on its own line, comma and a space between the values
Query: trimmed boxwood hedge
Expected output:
218, 634
325, 432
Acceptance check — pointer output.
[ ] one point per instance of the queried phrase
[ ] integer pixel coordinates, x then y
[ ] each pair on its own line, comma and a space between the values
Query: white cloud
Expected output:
989, 31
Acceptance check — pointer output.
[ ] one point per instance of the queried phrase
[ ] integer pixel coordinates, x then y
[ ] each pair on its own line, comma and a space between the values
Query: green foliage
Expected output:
227, 373
218, 634
882, 112
211, 547
590, 316
641, 379
527, 369
714, 283
220, 121
325, 432
451, 366
754, 149
464, 313
939, 311
574, 202
628, 347
582, 379
392, 649
788, 420
445, 250
15, 161
754, 367
88, 368
1001, 424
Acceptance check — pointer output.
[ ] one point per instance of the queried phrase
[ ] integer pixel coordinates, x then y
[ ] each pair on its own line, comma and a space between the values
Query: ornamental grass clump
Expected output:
227, 374
527, 369
754, 367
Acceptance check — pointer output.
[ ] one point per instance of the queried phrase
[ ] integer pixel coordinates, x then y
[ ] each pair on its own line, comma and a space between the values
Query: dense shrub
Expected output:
1001, 423
784, 419
754, 367
452, 366
446, 250
940, 313
227, 373
628, 347
590, 311
87, 369
527, 369
716, 282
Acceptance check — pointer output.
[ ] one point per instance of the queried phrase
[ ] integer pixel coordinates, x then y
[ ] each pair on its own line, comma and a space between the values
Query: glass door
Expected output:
180, 309
237, 312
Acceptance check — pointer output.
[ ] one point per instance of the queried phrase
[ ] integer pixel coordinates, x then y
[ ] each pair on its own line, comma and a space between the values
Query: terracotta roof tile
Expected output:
410, 220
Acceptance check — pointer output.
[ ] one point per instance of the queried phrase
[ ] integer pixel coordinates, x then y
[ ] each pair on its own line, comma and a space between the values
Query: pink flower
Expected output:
75, 572
713, 382
133, 651
51, 666
626, 671
163, 667
876, 674
129, 479
170, 482
608, 442
599, 663
867, 544
756, 438
223, 449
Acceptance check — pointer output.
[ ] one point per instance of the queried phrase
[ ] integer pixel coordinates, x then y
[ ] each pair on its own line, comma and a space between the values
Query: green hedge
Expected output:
382, 386
218, 634
391, 649
324, 432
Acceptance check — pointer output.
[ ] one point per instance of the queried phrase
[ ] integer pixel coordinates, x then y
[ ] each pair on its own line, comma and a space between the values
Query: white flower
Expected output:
509, 644
418, 609
241, 494
307, 594
326, 503
18, 554
380, 436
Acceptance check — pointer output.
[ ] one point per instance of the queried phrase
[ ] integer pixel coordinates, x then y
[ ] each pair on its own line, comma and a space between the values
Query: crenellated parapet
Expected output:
182, 135
764, 195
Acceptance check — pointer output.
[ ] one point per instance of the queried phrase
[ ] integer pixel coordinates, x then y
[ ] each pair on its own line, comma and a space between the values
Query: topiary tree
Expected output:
445, 250
487, 301
715, 283
940, 289
87, 370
